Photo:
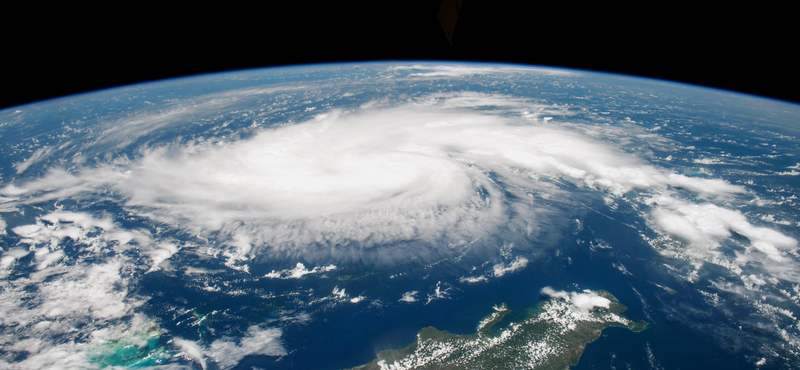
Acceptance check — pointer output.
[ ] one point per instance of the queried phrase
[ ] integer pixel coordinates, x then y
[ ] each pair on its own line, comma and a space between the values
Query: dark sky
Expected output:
73, 50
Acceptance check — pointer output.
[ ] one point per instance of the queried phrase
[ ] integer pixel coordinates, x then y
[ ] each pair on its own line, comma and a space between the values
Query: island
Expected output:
553, 336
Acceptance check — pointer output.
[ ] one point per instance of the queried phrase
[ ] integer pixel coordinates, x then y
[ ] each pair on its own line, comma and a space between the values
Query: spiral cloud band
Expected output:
362, 184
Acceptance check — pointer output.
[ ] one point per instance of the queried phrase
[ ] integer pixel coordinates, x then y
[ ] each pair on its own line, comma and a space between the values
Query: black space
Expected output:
72, 50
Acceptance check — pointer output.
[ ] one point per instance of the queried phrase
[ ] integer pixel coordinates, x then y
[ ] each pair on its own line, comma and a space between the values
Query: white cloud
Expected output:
584, 302
298, 271
501, 269
46, 258
473, 279
72, 303
95, 233
160, 253
47, 353
37, 156
126, 130
707, 161
51, 228
705, 225
440, 291
191, 270
257, 341
339, 293
461, 71
357, 299
301, 318
409, 297
192, 350
100, 293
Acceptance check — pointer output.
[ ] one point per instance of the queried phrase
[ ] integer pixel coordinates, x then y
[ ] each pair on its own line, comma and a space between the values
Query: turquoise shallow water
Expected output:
138, 352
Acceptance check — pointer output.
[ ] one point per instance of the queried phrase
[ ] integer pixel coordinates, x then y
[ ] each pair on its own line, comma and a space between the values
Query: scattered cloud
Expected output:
473, 279
298, 271
584, 302
704, 226
357, 299
409, 297
299, 318
96, 233
162, 252
192, 350
256, 341
501, 269
78, 226
69, 310
441, 291
37, 156
461, 71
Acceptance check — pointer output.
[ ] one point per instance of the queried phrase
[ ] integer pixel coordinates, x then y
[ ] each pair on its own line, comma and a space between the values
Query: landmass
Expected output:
551, 337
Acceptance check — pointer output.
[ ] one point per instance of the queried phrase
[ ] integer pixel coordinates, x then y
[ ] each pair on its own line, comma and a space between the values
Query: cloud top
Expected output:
584, 302
365, 184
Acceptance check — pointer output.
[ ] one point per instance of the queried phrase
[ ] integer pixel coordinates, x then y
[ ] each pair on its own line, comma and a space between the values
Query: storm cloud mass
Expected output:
384, 182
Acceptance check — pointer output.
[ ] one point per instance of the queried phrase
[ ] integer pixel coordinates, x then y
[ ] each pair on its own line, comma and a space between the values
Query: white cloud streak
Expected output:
192, 350
298, 271
257, 341
501, 269
37, 156
461, 71
705, 226
584, 302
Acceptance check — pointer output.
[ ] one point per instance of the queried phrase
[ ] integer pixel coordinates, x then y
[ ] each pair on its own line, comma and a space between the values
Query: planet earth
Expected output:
401, 215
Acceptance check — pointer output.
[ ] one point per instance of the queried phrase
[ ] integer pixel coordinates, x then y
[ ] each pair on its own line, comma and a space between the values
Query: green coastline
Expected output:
553, 336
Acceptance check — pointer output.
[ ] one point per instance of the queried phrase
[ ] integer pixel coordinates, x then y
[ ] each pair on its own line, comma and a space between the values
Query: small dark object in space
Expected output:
448, 16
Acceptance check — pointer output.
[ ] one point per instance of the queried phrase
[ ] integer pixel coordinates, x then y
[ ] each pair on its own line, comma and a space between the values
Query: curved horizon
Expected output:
398, 61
